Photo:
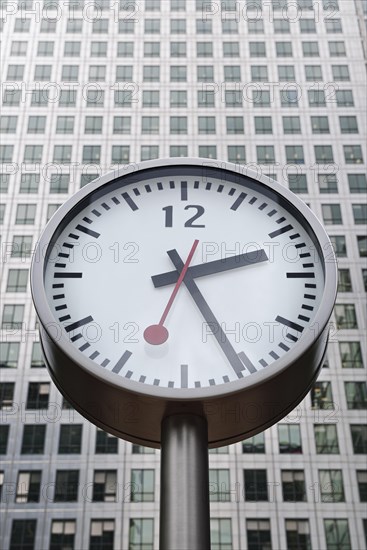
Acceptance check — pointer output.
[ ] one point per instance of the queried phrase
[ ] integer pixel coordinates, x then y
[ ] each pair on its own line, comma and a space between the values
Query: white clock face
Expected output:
253, 279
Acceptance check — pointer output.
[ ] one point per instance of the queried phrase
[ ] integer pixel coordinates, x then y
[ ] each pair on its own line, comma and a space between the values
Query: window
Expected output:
331, 486
70, 73
93, 125
333, 26
291, 125
255, 26
259, 73
100, 26
283, 49
97, 73
234, 125
206, 124
206, 98
356, 395
33, 441
178, 151
178, 98
37, 360
326, 439
48, 25
150, 125
208, 151
282, 26
232, 73
229, 26
345, 315
204, 49
344, 281
265, 154
126, 26
6, 153
307, 26
70, 440
151, 73
298, 534
219, 485
66, 486
95, 97
123, 98
340, 73
28, 486
256, 486
152, 26
178, 5
125, 49
142, 485
22, 24
362, 245
141, 450
74, 25
313, 73
348, 124
353, 154
220, 534
179, 73
357, 183
344, 98
231, 49
178, 26
310, 49
351, 355
286, 73
321, 396
59, 183
15, 72
289, 436
11, 97
261, 98
233, 98
258, 534
4, 182
38, 394
67, 98
359, 438
236, 154
120, 154
141, 534
17, 280
324, 154
121, 125
23, 534
6, 394
337, 49
339, 245
18, 48
72, 49
4, 436
331, 214
298, 183
178, 125
257, 49
33, 153
289, 97
8, 124
105, 486
101, 534
62, 535
320, 125
362, 484
294, 154
150, 98
106, 443
316, 98
62, 154
337, 534
293, 486
178, 49
21, 246
98, 49
263, 125
12, 317
45, 48
91, 153
149, 152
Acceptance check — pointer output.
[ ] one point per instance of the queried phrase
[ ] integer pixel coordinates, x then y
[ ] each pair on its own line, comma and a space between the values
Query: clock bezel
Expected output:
195, 398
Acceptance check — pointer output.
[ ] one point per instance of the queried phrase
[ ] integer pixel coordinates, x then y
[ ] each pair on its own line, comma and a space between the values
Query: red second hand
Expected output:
158, 334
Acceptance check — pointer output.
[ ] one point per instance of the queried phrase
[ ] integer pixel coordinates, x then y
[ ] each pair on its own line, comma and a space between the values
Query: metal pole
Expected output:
184, 517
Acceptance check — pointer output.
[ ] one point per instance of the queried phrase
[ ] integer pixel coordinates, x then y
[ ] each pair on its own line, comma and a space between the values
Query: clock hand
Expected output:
158, 334
209, 268
208, 315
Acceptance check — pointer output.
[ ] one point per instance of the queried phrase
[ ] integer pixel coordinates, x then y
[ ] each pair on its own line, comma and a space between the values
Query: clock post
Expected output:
184, 506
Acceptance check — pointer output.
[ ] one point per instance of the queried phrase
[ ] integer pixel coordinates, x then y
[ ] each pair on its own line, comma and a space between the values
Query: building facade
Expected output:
277, 85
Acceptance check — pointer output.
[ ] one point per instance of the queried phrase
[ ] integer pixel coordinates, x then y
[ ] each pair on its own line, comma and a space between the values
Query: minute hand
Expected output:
209, 268
208, 315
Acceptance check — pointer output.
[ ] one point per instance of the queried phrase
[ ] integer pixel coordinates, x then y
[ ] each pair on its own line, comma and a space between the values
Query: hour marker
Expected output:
105, 363
68, 275
280, 231
68, 245
283, 346
309, 296
300, 245
288, 323
159, 186
58, 296
310, 285
271, 213
238, 201
59, 308
280, 220
263, 363
171, 384
197, 384
220, 188
309, 308
121, 362
172, 184
79, 323
300, 275
73, 236
105, 206
262, 206
128, 374
76, 337
303, 318
61, 266
274, 355
58, 285
142, 378
88, 220
64, 318
87, 231
246, 361
307, 265
156, 382
226, 379
148, 189
295, 236
196, 184
96, 212
184, 190
305, 255
291, 337
94, 355
208, 186
84, 346
136, 191
115, 200
211, 382
63, 255
253, 200
232, 191
129, 201
184, 376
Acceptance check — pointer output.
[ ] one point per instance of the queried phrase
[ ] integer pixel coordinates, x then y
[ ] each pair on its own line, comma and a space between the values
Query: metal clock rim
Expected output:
182, 394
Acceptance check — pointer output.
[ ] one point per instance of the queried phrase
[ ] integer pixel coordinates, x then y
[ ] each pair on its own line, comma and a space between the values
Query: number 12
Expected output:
168, 210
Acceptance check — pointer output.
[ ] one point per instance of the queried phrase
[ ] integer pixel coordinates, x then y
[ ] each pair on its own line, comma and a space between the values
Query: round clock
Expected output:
184, 286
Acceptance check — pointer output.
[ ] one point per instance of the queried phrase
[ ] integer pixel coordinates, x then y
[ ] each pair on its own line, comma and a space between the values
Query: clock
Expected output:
184, 286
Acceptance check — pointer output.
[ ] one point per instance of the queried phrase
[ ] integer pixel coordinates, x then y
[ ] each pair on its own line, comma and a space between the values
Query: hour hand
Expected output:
209, 268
